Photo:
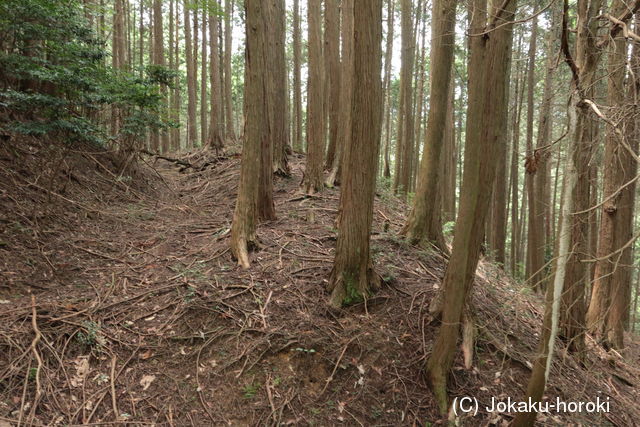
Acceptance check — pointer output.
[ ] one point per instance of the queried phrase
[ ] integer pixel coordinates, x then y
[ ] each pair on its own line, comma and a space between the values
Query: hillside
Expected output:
120, 304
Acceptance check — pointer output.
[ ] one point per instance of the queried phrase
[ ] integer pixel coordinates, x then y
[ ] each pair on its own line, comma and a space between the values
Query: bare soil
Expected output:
120, 304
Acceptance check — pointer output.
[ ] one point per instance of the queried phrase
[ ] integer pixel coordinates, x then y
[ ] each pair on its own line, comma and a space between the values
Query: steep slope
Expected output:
142, 315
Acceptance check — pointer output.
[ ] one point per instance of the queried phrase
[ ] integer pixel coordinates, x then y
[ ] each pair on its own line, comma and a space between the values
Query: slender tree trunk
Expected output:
191, 83
514, 173
312, 182
587, 57
583, 67
228, 40
542, 364
539, 168
404, 144
196, 53
141, 35
332, 73
425, 220
387, 87
534, 240
486, 99
177, 101
611, 296
498, 212
159, 143
346, 93
450, 161
253, 198
204, 109
353, 277
297, 86
216, 137
279, 98
419, 101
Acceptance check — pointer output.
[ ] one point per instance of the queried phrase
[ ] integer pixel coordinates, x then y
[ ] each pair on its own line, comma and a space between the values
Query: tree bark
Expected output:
587, 58
332, 73
278, 69
486, 97
346, 93
204, 108
228, 39
297, 86
256, 147
191, 84
353, 277
610, 300
312, 181
404, 144
424, 224
216, 137
387, 87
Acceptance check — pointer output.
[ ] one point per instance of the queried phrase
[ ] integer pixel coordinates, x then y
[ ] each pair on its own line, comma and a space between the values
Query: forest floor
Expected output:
120, 304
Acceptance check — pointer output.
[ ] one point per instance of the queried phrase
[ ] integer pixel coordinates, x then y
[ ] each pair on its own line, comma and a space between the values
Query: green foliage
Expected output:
90, 337
353, 295
447, 228
250, 390
55, 81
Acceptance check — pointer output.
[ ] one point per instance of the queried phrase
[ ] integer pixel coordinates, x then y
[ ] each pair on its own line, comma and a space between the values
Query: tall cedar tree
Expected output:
216, 137
534, 238
582, 62
610, 299
253, 199
278, 67
332, 73
312, 182
228, 43
404, 144
297, 86
346, 93
353, 277
204, 72
487, 102
425, 220
386, 172
191, 83
584, 66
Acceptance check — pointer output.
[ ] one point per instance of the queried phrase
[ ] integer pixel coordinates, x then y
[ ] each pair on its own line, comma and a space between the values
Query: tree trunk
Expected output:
353, 277
228, 43
346, 93
194, 57
279, 98
450, 161
534, 240
486, 99
498, 212
297, 86
256, 146
159, 143
542, 364
611, 296
424, 224
332, 73
587, 57
191, 83
404, 144
216, 137
204, 109
514, 173
538, 218
312, 182
387, 87
569, 232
